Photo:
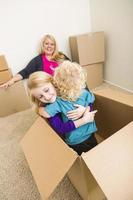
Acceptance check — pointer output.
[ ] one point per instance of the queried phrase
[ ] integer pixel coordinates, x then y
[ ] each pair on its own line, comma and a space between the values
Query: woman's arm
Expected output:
34, 65
16, 78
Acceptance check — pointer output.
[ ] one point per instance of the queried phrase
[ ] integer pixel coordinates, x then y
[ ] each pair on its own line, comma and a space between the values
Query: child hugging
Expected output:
62, 94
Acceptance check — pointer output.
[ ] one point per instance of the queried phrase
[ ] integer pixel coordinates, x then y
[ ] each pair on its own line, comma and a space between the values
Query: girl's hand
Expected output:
89, 116
77, 113
41, 111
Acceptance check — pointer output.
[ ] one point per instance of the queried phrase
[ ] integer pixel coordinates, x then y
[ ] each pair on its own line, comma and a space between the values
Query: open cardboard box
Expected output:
13, 99
106, 171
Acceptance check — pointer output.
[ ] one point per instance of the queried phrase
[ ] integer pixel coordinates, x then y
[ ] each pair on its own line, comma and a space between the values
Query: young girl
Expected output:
70, 82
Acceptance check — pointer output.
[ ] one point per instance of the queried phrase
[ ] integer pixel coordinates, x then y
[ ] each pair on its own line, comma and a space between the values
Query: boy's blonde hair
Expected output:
69, 79
57, 56
37, 79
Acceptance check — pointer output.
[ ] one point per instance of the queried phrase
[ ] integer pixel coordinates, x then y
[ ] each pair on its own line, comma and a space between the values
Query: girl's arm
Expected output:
59, 126
79, 111
62, 128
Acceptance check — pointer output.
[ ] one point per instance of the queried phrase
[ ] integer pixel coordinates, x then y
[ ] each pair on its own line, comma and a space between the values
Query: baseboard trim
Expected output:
118, 86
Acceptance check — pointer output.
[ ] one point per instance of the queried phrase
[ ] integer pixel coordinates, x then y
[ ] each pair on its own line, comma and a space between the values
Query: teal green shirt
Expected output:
82, 133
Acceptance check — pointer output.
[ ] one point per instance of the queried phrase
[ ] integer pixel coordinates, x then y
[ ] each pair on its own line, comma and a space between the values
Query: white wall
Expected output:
115, 17
23, 24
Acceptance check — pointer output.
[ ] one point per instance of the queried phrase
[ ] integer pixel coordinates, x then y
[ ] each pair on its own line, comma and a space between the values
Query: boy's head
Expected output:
41, 88
70, 79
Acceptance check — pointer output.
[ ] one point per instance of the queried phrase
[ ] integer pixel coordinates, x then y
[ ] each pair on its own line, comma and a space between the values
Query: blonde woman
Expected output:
48, 59
69, 80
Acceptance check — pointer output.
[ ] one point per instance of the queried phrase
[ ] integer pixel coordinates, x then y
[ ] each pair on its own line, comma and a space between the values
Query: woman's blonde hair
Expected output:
37, 79
57, 56
69, 79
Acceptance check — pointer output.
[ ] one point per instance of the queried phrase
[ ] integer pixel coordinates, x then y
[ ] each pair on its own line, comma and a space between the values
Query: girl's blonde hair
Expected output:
69, 79
37, 79
57, 56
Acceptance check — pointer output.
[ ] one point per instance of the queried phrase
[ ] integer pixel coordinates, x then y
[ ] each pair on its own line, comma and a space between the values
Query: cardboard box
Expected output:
13, 99
102, 173
115, 108
94, 75
87, 48
3, 63
5, 76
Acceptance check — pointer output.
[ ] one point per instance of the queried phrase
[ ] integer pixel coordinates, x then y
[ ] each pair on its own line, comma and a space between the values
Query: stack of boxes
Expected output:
14, 98
88, 50
5, 72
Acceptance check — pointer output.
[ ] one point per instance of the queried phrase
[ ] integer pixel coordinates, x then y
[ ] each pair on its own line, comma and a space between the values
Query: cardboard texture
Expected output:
111, 163
47, 155
84, 182
3, 63
5, 76
13, 99
87, 48
50, 158
95, 70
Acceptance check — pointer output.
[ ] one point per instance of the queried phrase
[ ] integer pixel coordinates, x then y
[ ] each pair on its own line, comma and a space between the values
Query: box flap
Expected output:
116, 94
48, 156
111, 164
3, 63
13, 99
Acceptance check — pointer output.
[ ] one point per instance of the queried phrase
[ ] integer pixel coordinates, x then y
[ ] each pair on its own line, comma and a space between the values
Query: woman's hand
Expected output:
7, 84
14, 79
77, 113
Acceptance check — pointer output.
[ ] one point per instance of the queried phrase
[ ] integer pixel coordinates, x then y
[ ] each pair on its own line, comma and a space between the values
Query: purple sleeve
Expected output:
59, 126
91, 107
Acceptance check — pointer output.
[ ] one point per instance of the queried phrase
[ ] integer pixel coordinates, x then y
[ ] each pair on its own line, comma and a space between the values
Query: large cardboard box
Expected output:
102, 173
87, 48
3, 63
5, 76
13, 99
94, 75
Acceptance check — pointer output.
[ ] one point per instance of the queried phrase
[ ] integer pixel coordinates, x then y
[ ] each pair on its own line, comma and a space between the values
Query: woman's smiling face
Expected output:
48, 47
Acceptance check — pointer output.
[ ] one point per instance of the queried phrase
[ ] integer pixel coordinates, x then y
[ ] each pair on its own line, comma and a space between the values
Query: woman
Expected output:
48, 59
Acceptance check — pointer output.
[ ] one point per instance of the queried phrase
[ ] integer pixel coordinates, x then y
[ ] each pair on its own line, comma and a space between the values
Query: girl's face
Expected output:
48, 47
45, 94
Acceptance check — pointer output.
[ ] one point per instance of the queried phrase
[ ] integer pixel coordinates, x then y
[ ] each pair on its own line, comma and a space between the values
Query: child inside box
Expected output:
69, 81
